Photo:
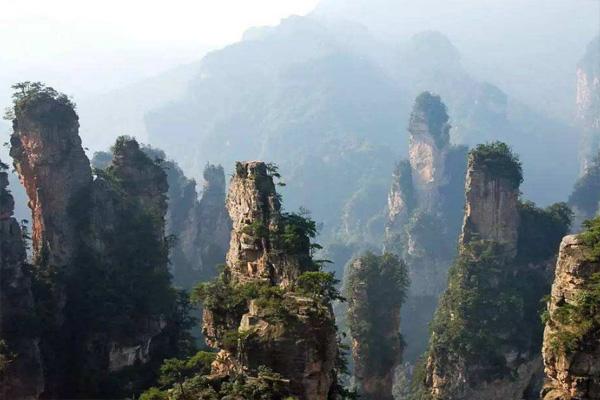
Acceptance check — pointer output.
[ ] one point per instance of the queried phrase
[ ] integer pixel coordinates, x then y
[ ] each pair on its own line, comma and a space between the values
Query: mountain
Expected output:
121, 111
329, 103
529, 48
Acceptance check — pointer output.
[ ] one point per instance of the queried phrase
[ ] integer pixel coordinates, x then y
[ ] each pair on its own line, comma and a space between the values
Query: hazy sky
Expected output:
113, 42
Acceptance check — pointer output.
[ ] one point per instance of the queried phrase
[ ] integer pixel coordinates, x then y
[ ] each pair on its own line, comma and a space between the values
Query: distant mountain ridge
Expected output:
330, 104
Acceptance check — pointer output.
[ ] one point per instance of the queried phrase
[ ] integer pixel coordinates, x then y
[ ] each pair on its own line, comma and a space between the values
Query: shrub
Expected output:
499, 161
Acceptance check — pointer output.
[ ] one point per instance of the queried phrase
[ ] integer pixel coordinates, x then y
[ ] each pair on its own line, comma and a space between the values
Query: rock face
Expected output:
54, 169
203, 234
572, 371
55, 172
23, 377
302, 346
425, 205
428, 148
505, 253
101, 284
375, 289
491, 210
588, 102
201, 227
213, 219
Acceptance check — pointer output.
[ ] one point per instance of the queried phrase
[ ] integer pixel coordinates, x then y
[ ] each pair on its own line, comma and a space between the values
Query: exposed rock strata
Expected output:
570, 373
302, 347
491, 209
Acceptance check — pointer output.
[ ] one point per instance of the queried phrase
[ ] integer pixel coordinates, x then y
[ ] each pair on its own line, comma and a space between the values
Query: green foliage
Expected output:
256, 229
591, 238
174, 370
541, 230
28, 94
435, 114
578, 318
499, 161
319, 285
491, 303
263, 385
6, 357
376, 288
297, 229
222, 297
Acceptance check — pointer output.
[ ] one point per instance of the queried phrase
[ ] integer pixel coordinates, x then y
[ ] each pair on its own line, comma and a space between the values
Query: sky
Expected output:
115, 42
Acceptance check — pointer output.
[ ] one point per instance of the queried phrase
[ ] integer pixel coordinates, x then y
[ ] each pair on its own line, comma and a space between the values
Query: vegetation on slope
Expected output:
498, 161
376, 288
466, 333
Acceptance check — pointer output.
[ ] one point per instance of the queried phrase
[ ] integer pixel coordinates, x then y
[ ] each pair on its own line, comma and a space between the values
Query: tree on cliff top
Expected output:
27, 94
436, 115
498, 159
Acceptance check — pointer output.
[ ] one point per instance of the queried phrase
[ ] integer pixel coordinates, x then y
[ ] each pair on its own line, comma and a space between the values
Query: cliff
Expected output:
201, 227
48, 156
425, 205
505, 252
21, 378
588, 103
571, 350
101, 287
492, 199
271, 306
428, 147
376, 288
213, 219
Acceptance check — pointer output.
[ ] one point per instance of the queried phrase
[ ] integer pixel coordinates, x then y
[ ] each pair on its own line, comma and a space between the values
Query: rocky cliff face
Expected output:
203, 236
505, 252
571, 351
49, 159
22, 378
424, 212
428, 147
375, 289
491, 209
48, 156
588, 102
280, 327
213, 219
101, 286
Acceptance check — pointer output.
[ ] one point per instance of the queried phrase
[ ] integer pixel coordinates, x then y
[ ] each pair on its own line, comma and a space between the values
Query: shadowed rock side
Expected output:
425, 206
101, 285
486, 337
213, 220
588, 102
585, 197
375, 289
21, 375
281, 326
201, 227
571, 348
